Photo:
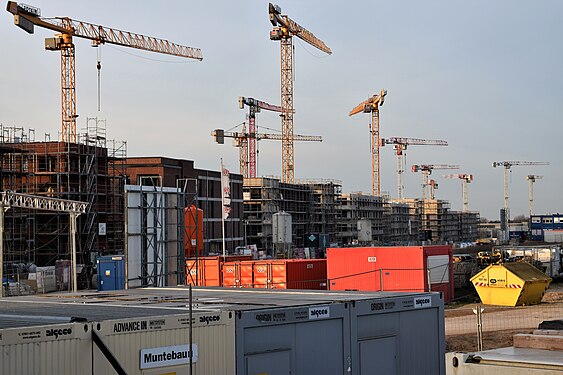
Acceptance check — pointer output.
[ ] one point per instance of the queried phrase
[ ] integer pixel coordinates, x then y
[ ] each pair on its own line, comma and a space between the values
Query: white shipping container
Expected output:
46, 349
130, 339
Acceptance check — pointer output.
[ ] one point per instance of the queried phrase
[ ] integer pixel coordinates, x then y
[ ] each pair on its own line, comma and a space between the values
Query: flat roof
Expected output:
512, 355
145, 302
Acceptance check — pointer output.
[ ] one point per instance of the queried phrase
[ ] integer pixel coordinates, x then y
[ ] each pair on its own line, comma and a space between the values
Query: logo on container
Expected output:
320, 312
209, 318
58, 332
422, 302
264, 317
372, 259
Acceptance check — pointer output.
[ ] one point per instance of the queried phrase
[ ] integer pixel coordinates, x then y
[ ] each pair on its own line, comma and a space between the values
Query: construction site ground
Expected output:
499, 323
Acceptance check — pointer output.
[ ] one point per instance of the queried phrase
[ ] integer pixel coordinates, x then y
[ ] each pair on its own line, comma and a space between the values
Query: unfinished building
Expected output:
198, 187
402, 223
86, 171
355, 207
312, 205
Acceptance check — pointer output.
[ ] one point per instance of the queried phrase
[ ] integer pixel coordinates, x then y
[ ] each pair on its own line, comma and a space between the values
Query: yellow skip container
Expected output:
511, 284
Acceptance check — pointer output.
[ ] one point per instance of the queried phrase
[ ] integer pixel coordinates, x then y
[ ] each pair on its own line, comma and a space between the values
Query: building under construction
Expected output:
312, 205
320, 208
87, 171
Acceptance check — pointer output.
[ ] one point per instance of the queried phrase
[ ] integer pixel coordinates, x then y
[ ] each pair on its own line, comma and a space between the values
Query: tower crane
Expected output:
465, 179
371, 105
284, 28
531, 179
26, 17
241, 140
507, 165
433, 187
426, 170
254, 106
400, 145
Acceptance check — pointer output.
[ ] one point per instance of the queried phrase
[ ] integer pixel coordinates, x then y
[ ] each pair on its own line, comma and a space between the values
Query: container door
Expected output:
278, 275
108, 276
269, 363
261, 274
378, 356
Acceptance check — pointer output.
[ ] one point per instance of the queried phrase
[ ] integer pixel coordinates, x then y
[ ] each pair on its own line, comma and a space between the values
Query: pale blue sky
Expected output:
487, 76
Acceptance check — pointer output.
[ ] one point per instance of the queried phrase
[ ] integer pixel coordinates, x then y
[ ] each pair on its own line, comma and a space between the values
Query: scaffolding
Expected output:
72, 171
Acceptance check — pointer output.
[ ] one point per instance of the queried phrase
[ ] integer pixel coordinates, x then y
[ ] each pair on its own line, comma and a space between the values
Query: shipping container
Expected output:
276, 274
290, 274
238, 274
43, 346
206, 271
233, 331
388, 334
397, 268
111, 272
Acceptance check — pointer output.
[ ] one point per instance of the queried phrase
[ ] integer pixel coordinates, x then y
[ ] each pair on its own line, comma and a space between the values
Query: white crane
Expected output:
531, 179
465, 179
400, 145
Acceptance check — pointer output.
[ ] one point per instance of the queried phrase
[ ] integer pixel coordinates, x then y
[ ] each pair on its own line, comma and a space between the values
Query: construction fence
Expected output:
494, 325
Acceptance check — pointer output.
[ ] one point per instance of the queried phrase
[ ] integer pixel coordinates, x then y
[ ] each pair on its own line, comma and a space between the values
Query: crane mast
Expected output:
254, 106
465, 179
284, 28
26, 17
241, 140
507, 165
399, 145
531, 180
426, 170
371, 105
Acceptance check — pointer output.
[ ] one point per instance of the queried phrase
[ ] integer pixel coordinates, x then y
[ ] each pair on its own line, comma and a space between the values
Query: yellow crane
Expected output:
531, 180
26, 17
371, 105
241, 140
284, 28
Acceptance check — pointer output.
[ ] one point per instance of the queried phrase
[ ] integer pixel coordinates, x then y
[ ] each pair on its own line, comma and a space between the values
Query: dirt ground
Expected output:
499, 338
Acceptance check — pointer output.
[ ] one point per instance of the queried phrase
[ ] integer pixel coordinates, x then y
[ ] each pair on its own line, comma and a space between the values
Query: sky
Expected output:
486, 76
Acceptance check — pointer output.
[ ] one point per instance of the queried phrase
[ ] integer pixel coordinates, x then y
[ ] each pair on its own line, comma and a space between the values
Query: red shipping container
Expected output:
209, 269
398, 269
238, 274
290, 274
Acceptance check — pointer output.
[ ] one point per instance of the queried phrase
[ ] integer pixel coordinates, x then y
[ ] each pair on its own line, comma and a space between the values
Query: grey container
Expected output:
236, 331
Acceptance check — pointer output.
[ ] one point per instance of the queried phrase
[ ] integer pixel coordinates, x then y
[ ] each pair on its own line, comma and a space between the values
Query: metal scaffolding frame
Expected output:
9, 199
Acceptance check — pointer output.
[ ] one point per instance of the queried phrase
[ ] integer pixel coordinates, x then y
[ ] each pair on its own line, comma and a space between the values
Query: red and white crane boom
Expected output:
254, 106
